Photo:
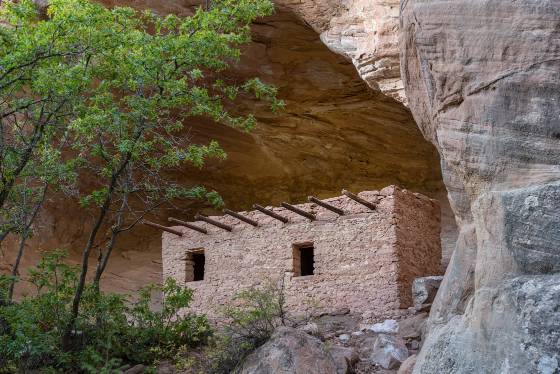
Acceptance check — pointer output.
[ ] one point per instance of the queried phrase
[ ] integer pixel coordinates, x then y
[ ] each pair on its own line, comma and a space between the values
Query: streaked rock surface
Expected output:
483, 82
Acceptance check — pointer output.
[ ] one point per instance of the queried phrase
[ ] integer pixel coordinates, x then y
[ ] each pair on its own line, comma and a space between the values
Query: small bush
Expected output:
249, 322
255, 313
109, 331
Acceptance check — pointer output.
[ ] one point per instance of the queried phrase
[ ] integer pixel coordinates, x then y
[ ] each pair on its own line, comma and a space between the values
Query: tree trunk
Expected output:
103, 258
66, 338
24, 236
3, 235
67, 335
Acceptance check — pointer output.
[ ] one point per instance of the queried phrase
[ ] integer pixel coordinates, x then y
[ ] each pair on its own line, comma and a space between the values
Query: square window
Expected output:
195, 265
303, 259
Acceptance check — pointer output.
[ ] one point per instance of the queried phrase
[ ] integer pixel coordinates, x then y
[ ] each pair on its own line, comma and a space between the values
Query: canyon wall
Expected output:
363, 31
336, 132
483, 82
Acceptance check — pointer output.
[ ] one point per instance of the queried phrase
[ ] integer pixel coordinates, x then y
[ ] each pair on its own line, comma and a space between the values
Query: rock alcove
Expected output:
342, 128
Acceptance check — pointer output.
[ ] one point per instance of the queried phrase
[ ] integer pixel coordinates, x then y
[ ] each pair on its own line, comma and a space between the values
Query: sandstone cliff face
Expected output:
365, 32
483, 82
335, 133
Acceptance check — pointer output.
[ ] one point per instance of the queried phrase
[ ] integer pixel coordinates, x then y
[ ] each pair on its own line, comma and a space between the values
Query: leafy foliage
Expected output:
255, 313
116, 87
131, 127
45, 72
112, 91
248, 322
110, 331
97, 103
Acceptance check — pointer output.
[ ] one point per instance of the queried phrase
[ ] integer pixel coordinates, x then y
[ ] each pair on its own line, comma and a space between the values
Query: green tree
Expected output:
120, 87
45, 72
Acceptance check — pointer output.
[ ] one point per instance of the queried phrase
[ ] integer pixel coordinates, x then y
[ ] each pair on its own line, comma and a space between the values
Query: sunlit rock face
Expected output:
483, 82
365, 32
337, 131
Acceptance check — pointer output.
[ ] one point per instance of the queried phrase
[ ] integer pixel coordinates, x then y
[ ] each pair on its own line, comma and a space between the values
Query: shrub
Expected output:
110, 331
249, 322
255, 313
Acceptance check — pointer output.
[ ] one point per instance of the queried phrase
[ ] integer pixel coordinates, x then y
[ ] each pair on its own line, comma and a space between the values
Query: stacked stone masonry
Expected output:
364, 261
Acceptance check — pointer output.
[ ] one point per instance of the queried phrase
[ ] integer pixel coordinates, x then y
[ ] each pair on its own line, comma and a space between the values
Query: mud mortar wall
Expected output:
358, 264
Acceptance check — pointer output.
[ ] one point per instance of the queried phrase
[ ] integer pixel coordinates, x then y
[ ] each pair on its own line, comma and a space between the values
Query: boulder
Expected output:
389, 326
424, 290
311, 328
389, 351
290, 351
413, 326
408, 365
516, 325
344, 358
329, 325
136, 369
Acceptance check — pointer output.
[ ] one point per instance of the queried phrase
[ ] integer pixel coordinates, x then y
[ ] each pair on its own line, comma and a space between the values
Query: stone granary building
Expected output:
353, 258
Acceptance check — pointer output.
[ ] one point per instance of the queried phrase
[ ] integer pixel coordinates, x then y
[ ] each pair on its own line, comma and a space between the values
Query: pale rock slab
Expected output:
344, 338
389, 351
389, 326
483, 82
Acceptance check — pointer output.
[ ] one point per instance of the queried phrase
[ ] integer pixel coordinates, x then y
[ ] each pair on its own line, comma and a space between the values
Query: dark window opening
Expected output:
198, 259
304, 259
195, 262
307, 263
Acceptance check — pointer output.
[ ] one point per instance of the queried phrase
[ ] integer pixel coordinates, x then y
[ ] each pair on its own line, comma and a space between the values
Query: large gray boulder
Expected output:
483, 82
511, 329
408, 366
290, 351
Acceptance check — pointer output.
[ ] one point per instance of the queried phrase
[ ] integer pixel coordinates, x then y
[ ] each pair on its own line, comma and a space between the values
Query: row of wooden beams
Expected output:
262, 209
270, 213
200, 217
189, 225
241, 217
